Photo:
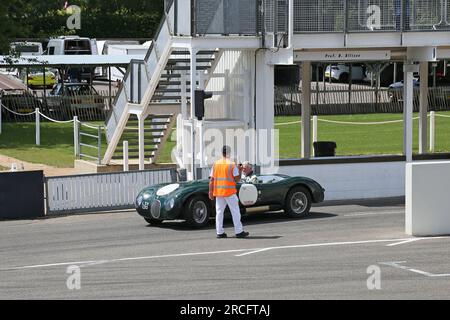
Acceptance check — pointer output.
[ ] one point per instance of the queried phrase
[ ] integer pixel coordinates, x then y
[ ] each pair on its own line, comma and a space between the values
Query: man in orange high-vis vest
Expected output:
222, 187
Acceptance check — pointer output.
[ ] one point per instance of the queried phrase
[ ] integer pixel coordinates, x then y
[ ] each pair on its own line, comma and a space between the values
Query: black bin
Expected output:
325, 149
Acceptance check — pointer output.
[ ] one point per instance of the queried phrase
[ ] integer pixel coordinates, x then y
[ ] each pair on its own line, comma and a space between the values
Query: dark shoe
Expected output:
243, 234
222, 236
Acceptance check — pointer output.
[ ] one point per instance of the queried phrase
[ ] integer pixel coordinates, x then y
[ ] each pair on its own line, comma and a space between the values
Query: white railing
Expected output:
139, 85
101, 192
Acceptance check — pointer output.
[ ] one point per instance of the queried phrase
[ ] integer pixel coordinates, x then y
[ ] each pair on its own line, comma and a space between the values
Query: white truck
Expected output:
71, 45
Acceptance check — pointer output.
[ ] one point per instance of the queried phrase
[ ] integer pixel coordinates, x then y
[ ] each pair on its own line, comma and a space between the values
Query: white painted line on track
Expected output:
403, 242
252, 252
397, 265
362, 214
246, 251
97, 262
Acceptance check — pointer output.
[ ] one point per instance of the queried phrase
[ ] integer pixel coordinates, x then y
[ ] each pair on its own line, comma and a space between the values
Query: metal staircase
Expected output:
157, 129
156, 80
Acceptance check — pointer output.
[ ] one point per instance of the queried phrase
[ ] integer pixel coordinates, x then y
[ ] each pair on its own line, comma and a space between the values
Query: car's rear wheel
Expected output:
298, 202
198, 211
153, 222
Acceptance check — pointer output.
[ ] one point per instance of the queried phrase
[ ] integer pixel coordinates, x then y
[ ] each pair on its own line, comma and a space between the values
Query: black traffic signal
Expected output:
200, 97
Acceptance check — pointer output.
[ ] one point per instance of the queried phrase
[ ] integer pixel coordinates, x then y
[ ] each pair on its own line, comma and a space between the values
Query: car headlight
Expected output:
147, 196
139, 200
169, 204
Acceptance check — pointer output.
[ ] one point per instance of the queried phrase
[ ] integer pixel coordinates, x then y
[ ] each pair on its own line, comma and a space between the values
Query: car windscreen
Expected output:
27, 49
75, 47
269, 179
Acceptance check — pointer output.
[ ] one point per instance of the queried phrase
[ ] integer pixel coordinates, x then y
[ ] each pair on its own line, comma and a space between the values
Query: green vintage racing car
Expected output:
189, 201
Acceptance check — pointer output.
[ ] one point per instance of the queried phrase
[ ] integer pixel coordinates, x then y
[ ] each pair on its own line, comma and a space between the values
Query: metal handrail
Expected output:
404, 19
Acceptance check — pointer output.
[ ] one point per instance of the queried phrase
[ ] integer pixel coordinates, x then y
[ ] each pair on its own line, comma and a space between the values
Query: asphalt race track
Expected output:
327, 256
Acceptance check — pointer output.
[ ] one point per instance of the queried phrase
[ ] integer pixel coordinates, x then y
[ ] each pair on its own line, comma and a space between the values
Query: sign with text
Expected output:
337, 56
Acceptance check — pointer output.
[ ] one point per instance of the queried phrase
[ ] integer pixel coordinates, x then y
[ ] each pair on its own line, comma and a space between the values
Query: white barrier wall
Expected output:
427, 198
354, 180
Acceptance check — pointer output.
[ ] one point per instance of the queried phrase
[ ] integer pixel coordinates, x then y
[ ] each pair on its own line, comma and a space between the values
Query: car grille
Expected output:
155, 209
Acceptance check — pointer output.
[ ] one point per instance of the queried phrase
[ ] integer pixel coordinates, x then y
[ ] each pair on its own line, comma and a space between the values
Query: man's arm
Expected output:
211, 188
238, 178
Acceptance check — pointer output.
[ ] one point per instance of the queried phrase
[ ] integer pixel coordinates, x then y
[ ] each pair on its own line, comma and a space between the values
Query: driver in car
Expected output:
247, 174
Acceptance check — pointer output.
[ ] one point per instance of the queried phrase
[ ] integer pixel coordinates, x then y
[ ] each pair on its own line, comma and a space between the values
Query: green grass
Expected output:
18, 139
360, 139
166, 153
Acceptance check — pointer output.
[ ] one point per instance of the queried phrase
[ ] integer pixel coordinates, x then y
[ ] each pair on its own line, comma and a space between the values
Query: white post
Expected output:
126, 166
432, 130
38, 127
315, 136
423, 112
141, 130
76, 142
408, 110
306, 110
315, 123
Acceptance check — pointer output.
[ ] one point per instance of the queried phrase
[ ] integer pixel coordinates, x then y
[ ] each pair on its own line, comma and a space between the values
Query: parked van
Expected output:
74, 45
71, 45
27, 48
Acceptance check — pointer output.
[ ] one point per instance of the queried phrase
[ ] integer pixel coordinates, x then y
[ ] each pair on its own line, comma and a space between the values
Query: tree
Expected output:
12, 15
36, 19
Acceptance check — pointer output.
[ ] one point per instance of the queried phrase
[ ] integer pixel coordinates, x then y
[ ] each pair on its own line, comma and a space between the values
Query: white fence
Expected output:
101, 192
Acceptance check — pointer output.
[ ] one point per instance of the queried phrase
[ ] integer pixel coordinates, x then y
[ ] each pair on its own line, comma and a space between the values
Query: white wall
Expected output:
355, 180
427, 198
236, 100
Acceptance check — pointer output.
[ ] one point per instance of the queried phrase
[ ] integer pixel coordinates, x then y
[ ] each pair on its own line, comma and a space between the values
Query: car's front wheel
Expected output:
153, 222
198, 211
298, 202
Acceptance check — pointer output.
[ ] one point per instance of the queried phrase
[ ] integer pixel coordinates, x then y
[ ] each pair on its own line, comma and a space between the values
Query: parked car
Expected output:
35, 78
396, 90
75, 96
189, 200
26, 48
341, 73
438, 97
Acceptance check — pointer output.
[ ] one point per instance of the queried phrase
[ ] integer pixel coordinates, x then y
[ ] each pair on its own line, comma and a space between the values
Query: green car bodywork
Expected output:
182, 200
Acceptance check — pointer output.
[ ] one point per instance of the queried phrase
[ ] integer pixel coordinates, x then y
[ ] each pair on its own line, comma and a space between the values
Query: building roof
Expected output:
8, 83
73, 60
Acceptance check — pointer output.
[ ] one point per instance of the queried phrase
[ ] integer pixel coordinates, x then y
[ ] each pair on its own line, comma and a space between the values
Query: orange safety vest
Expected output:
224, 183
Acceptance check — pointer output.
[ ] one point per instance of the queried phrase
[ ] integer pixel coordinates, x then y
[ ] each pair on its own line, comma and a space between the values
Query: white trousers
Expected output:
233, 204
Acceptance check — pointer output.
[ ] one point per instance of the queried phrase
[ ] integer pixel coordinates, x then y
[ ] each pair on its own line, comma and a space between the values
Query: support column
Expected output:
141, 130
264, 109
193, 76
184, 110
423, 112
306, 110
408, 96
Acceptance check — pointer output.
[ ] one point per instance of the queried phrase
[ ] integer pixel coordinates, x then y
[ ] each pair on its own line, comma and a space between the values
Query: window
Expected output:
75, 47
